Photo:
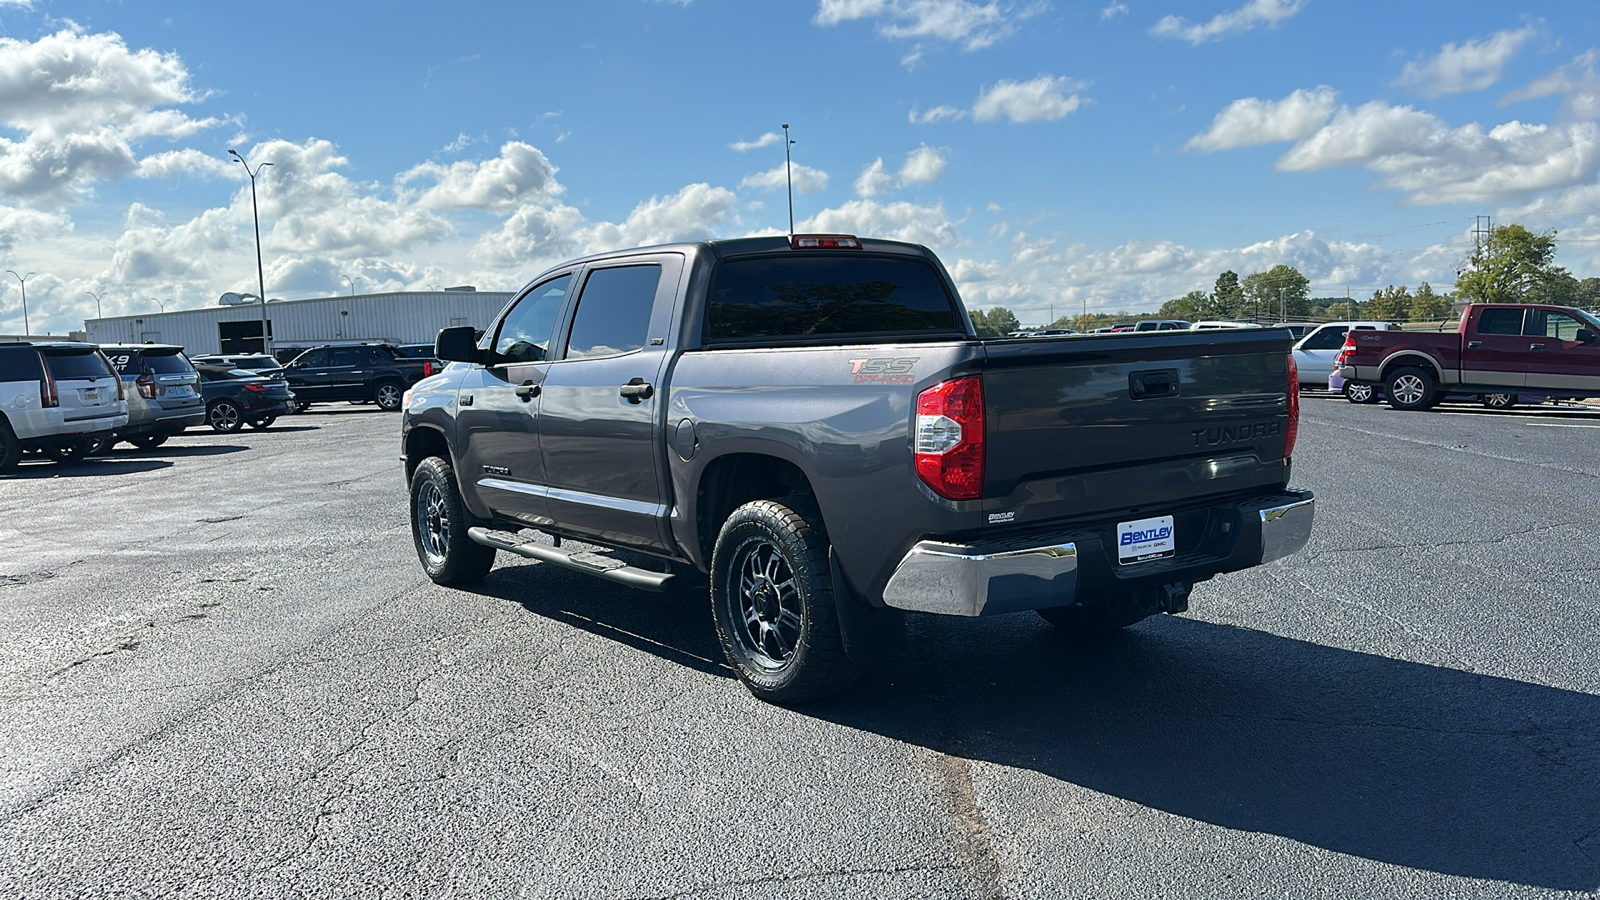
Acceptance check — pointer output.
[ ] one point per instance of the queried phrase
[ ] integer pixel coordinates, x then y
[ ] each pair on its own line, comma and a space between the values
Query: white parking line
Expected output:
1559, 425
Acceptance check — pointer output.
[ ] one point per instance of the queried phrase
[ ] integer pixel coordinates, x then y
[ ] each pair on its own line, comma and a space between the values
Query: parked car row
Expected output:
70, 400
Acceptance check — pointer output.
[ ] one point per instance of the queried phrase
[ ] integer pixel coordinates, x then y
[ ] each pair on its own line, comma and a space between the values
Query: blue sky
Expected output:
1057, 155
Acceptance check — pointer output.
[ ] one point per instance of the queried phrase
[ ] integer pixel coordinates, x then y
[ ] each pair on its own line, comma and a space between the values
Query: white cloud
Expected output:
972, 25
874, 180
1419, 154
83, 102
1113, 11
1245, 18
692, 214
1471, 66
937, 114
1576, 81
1044, 98
519, 174
900, 221
187, 161
1252, 121
806, 179
923, 165
766, 140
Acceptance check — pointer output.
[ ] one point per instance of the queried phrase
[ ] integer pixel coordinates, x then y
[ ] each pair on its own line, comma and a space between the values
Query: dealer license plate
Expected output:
1145, 539
177, 390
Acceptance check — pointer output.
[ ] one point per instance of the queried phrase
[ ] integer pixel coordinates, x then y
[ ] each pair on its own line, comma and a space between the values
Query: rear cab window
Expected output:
814, 296
68, 365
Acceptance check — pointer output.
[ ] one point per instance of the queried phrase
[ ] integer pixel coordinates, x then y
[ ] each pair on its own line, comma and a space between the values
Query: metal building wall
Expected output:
401, 318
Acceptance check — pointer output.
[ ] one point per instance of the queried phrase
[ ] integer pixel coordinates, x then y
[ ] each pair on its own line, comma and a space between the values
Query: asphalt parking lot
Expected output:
222, 673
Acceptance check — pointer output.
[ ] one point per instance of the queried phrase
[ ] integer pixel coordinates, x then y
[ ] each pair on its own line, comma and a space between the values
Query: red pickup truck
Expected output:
1498, 348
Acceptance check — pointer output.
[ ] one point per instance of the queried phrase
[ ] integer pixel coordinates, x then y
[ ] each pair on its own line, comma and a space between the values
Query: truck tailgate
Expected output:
1090, 425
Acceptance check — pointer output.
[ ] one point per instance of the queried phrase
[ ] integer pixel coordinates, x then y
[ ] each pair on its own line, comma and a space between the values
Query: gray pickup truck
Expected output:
811, 422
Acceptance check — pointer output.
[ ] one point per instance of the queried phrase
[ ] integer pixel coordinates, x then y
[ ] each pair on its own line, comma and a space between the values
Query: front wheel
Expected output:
1498, 401
224, 417
1410, 388
10, 448
773, 603
148, 441
263, 422
439, 523
388, 396
1360, 392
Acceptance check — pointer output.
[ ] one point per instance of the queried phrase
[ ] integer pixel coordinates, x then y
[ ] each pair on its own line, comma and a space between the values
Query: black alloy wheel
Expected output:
772, 599
439, 523
10, 447
1498, 401
224, 416
148, 441
263, 422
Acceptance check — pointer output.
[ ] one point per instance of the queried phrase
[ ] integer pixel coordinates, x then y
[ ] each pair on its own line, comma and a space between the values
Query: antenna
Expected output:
787, 178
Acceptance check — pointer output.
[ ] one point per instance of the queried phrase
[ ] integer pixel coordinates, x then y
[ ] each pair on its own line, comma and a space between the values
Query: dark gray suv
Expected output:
163, 392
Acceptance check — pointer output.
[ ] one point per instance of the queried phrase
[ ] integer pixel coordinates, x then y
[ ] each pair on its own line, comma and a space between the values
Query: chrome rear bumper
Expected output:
986, 579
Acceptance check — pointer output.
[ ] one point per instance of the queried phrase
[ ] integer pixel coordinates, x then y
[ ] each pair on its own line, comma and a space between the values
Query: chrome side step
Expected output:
598, 565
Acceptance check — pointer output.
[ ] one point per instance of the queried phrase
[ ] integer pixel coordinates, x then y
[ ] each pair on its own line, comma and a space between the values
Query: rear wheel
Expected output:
75, 452
773, 603
224, 416
388, 396
1360, 392
1498, 401
1410, 388
263, 422
439, 523
148, 441
10, 447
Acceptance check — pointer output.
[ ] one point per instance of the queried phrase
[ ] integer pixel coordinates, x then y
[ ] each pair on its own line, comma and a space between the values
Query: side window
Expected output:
1495, 320
350, 356
613, 315
526, 331
1561, 326
1325, 339
313, 359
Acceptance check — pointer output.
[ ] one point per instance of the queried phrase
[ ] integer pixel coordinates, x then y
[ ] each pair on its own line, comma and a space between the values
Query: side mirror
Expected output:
1587, 336
457, 344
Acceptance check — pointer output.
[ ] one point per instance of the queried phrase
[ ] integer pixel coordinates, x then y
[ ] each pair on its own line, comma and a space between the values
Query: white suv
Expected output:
61, 398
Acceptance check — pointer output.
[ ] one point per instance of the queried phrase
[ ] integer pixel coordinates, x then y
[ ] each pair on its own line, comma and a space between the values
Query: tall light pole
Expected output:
255, 215
24, 280
96, 303
787, 178
159, 303
352, 283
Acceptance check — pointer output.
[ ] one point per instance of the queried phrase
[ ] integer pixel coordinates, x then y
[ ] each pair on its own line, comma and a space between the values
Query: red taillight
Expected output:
255, 386
427, 368
147, 386
948, 443
1293, 431
48, 395
824, 242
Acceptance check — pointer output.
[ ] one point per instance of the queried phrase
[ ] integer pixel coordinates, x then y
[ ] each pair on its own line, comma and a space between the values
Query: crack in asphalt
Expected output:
978, 857
1478, 542
793, 879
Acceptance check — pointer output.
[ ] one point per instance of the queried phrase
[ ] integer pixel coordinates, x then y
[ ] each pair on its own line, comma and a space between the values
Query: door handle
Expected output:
1536, 348
528, 390
1474, 345
637, 390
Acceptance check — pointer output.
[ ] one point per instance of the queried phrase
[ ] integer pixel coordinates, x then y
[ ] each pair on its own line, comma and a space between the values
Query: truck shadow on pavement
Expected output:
91, 468
1415, 765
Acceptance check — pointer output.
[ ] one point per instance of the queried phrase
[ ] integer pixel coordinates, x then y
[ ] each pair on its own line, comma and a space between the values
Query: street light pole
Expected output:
255, 215
787, 178
352, 283
96, 303
159, 303
24, 280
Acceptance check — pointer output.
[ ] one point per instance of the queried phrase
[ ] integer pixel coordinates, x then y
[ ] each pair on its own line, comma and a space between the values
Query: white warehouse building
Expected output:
403, 317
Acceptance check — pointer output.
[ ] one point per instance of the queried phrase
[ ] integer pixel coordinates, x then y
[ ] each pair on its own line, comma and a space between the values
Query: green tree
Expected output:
1227, 298
1512, 266
995, 322
1281, 291
1391, 304
1426, 306
1190, 306
1588, 295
